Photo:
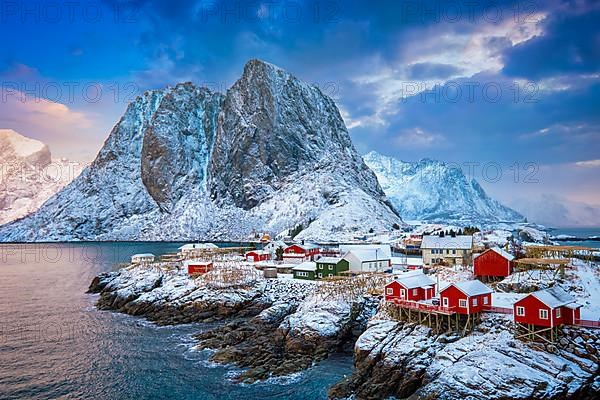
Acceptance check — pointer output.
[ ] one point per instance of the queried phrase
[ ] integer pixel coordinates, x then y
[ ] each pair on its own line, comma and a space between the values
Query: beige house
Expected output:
450, 250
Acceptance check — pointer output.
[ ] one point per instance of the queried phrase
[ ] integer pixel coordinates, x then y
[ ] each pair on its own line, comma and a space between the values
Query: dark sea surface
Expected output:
54, 344
579, 233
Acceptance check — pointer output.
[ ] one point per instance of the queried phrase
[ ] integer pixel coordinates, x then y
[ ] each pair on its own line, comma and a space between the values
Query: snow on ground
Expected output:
587, 292
506, 300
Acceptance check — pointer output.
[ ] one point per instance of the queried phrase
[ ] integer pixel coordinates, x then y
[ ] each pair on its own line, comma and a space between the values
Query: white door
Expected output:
445, 301
402, 293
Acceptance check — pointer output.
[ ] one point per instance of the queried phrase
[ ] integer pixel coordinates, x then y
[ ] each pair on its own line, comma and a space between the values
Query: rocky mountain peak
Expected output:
271, 154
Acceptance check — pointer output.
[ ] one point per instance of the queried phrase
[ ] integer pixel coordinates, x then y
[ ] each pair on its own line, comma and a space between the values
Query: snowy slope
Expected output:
430, 190
185, 163
28, 175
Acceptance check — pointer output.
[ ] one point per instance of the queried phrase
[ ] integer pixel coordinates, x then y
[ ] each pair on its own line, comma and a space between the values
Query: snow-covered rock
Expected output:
28, 175
186, 163
433, 191
410, 361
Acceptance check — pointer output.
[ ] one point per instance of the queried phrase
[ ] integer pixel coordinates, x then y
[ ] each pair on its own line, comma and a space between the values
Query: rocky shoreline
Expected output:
275, 328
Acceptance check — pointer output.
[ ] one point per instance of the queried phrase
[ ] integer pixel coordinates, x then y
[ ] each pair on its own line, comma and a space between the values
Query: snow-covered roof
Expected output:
447, 242
382, 248
192, 246
471, 288
142, 255
196, 262
365, 255
259, 252
306, 266
416, 281
501, 252
553, 297
329, 260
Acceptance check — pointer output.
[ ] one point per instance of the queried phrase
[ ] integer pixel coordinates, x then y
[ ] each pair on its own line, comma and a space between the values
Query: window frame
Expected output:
463, 303
520, 311
543, 311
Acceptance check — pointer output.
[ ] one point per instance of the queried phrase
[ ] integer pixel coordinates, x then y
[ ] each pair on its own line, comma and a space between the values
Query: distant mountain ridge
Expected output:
28, 175
433, 191
185, 163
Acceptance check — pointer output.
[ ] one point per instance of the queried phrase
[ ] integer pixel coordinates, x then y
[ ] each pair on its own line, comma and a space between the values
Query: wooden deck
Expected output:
423, 307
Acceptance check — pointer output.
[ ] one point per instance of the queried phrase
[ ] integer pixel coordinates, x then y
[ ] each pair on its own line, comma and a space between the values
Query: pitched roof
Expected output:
501, 252
471, 288
382, 248
259, 252
306, 246
447, 242
365, 255
329, 260
416, 281
306, 266
553, 297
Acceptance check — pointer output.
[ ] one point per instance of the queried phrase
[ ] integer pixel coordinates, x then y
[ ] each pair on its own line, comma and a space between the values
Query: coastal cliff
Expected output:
277, 327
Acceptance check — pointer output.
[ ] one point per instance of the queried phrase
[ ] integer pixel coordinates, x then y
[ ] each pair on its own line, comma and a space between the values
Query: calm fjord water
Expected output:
55, 344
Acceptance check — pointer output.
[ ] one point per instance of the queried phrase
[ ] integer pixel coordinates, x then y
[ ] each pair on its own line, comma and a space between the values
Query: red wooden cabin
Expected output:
466, 297
493, 262
415, 288
258, 255
547, 308
199, 267
298, 253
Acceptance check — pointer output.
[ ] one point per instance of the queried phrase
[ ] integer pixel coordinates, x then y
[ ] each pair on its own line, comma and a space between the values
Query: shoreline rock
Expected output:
410, 361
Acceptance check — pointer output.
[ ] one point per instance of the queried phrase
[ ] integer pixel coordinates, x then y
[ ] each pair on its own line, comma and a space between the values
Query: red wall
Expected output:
257, 257
295, 249
199, 268
532, 313
490, 263
454, 295
396, 286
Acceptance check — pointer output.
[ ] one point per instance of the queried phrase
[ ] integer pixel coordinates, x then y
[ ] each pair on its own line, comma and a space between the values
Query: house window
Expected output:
329, 274
462, 303
331, 267
558, 313
543, 314
402, 293
447, 251
475, 302
445, 301
520, 311
320, 266
320, 275
389, 291
415, 292
485, 300
453, 251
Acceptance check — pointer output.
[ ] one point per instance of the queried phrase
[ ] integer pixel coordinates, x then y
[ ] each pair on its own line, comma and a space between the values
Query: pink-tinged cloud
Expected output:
65, 131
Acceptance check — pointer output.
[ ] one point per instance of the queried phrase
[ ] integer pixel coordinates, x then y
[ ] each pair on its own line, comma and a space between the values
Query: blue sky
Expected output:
486, 84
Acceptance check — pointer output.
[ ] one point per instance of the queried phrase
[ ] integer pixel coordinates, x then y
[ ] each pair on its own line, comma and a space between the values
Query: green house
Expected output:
331, 266
305, 270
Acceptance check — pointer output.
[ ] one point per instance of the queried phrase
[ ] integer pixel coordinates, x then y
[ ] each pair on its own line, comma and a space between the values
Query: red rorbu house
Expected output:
493, 262
198, 267
547, 308
298, 253
413, 288
258, 255
468, 297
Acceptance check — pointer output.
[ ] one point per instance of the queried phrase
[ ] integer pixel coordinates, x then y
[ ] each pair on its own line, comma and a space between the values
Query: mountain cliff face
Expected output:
28, 175
185, 163
432, 191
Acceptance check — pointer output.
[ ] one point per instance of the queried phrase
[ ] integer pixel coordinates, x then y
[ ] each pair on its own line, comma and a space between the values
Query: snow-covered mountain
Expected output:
185, 163
433, 191
28, 175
